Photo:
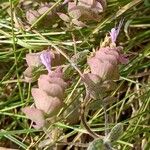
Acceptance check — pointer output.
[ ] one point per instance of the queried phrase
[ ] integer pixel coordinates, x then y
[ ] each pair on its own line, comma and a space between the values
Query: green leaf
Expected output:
115, 133
147, 3
96, 145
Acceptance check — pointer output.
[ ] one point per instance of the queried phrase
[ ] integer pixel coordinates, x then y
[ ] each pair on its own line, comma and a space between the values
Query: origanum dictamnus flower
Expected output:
34, 61
104, 66
115, 32
83, 10
44, 58
106, 60
48, 97
105, 63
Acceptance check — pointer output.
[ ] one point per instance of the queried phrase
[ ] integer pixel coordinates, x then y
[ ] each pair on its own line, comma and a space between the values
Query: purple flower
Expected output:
115, 32
46, 60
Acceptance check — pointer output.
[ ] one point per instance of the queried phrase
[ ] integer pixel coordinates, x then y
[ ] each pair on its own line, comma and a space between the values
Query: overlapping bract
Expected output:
45, 58
105, 63
48, 97
34, 61
104, 67
82, 11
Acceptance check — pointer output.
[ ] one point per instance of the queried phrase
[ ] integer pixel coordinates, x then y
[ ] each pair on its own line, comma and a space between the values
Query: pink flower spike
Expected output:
115, 32
46, 60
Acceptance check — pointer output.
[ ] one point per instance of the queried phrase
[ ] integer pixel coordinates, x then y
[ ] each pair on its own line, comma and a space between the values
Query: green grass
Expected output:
133, 91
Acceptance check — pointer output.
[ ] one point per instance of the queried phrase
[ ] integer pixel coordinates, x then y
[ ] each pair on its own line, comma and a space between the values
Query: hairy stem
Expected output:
106, 120
83, 117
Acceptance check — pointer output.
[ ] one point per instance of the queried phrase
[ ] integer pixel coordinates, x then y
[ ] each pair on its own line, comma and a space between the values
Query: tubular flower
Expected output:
48, 97
115, 32
35, 60
46, 60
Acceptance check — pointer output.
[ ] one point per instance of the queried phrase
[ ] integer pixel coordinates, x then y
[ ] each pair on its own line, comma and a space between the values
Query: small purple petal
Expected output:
113, 35
46, 60
115, 31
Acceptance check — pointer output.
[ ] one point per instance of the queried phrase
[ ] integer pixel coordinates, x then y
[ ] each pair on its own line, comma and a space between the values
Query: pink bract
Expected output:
105, 62
35, 115
44, 102
52, 89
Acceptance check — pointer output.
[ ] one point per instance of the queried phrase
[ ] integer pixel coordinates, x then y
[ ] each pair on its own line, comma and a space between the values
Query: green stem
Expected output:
14, 50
